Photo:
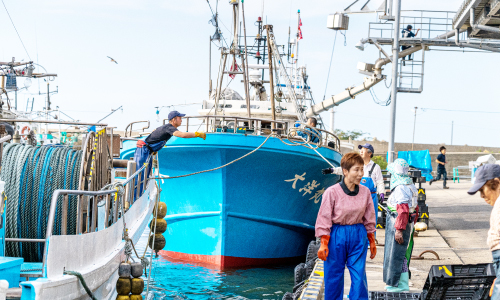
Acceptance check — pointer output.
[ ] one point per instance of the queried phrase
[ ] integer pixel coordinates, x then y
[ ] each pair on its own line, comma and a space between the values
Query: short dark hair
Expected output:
351, 159
442, 148
409, 27
314, 121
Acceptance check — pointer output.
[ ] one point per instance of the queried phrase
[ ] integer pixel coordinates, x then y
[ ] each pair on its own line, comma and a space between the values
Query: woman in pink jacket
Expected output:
346, 223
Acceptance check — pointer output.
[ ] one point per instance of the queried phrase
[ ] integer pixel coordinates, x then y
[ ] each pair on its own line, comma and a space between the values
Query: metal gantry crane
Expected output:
477, 22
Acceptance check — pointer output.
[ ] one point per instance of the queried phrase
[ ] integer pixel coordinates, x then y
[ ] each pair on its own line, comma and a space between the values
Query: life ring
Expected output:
25, 137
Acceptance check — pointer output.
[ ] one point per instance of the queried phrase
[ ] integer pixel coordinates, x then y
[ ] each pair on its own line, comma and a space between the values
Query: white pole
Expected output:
394, 92
332, 120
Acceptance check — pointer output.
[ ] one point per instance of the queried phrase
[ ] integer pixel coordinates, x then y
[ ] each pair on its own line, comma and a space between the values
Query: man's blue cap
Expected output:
483, 174
367, 146
174, 114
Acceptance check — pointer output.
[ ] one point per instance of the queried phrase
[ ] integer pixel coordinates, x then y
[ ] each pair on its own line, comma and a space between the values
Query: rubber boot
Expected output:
403, 285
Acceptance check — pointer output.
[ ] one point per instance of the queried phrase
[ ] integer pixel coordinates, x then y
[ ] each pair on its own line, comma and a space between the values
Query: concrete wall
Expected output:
456, 155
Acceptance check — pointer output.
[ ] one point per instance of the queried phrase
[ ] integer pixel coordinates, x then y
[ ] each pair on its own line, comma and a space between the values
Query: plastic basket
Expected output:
393, 296
453, 282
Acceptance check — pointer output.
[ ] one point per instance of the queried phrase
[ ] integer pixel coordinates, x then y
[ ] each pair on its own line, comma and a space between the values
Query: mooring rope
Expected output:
31, 175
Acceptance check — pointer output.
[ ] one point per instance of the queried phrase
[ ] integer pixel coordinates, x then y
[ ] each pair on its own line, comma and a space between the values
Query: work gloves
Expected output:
327, 171
323, 249
200, 134
382, 198
373, 247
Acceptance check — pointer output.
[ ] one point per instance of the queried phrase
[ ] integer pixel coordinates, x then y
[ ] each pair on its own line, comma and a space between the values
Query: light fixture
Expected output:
216, 36
360, 45
27, 82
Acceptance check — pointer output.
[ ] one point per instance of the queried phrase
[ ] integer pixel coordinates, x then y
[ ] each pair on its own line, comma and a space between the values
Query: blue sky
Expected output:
162, 53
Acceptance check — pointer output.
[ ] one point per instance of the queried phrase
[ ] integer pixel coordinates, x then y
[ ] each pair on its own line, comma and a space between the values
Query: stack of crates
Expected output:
423, 209
381, 211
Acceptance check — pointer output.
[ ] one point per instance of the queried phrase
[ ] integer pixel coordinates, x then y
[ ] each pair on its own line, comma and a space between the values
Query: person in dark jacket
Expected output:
159, 137
407, 33
441, 170
309, 132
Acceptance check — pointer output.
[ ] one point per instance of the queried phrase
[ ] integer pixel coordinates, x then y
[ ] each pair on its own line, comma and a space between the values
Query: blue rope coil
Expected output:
31, 176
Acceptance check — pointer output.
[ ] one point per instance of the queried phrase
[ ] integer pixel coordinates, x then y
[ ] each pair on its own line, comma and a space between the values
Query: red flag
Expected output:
299, 31
234, 68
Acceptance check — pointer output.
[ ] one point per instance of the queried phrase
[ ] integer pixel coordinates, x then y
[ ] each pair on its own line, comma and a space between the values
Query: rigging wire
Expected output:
330, 67
16, 30
378, 101
345, 38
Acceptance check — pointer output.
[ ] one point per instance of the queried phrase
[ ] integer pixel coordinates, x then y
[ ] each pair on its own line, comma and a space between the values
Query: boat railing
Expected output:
129, 128
116, 202
235, 124
328, 138
254, 126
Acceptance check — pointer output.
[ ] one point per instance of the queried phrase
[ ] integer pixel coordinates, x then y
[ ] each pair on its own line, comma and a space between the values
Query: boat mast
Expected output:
245, 62
271, 83
295, 72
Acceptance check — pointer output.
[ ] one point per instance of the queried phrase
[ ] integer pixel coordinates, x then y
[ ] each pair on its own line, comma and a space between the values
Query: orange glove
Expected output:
323, 249
373, 247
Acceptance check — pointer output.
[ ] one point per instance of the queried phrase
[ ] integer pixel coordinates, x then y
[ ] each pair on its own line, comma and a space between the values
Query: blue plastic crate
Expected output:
10, 270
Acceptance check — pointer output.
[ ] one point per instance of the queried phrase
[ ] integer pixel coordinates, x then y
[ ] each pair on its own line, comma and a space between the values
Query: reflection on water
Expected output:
179, 280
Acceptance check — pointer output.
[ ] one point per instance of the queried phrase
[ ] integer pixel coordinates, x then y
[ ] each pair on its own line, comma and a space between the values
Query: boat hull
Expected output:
258, 210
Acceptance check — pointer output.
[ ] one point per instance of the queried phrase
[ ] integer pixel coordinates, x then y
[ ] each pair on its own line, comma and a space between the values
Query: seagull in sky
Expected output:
112, 60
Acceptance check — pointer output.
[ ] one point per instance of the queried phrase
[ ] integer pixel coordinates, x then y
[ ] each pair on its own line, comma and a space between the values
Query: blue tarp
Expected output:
418, 159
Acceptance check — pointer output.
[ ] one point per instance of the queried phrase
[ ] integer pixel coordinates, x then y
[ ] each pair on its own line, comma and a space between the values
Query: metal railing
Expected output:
253, 126
430, 23
131, 125
434, 28
232, 123
135, 185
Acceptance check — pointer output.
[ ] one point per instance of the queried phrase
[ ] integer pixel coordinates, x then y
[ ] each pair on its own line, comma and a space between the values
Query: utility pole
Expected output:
394, 92
414, 123
451, 132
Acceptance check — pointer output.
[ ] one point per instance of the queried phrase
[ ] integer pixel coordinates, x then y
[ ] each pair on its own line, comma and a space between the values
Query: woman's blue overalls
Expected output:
368, 182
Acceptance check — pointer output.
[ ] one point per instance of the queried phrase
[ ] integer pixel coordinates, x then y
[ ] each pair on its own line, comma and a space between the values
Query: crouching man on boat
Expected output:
346, 224
159, 137
402, 214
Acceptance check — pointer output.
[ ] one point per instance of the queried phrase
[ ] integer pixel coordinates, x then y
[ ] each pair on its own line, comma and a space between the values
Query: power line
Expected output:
16, 30
464, 111
330, 67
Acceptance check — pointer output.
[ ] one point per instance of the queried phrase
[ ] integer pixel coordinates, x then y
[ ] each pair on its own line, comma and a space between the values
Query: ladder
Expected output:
277, 57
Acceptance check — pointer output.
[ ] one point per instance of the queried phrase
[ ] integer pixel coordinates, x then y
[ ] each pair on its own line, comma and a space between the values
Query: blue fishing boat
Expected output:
258, 210
261, 207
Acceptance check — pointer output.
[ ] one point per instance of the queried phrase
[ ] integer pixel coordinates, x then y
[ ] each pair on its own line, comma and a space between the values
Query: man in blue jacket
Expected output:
312, 123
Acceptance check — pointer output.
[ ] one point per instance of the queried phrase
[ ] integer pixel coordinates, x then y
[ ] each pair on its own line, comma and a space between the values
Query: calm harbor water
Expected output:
181, 280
